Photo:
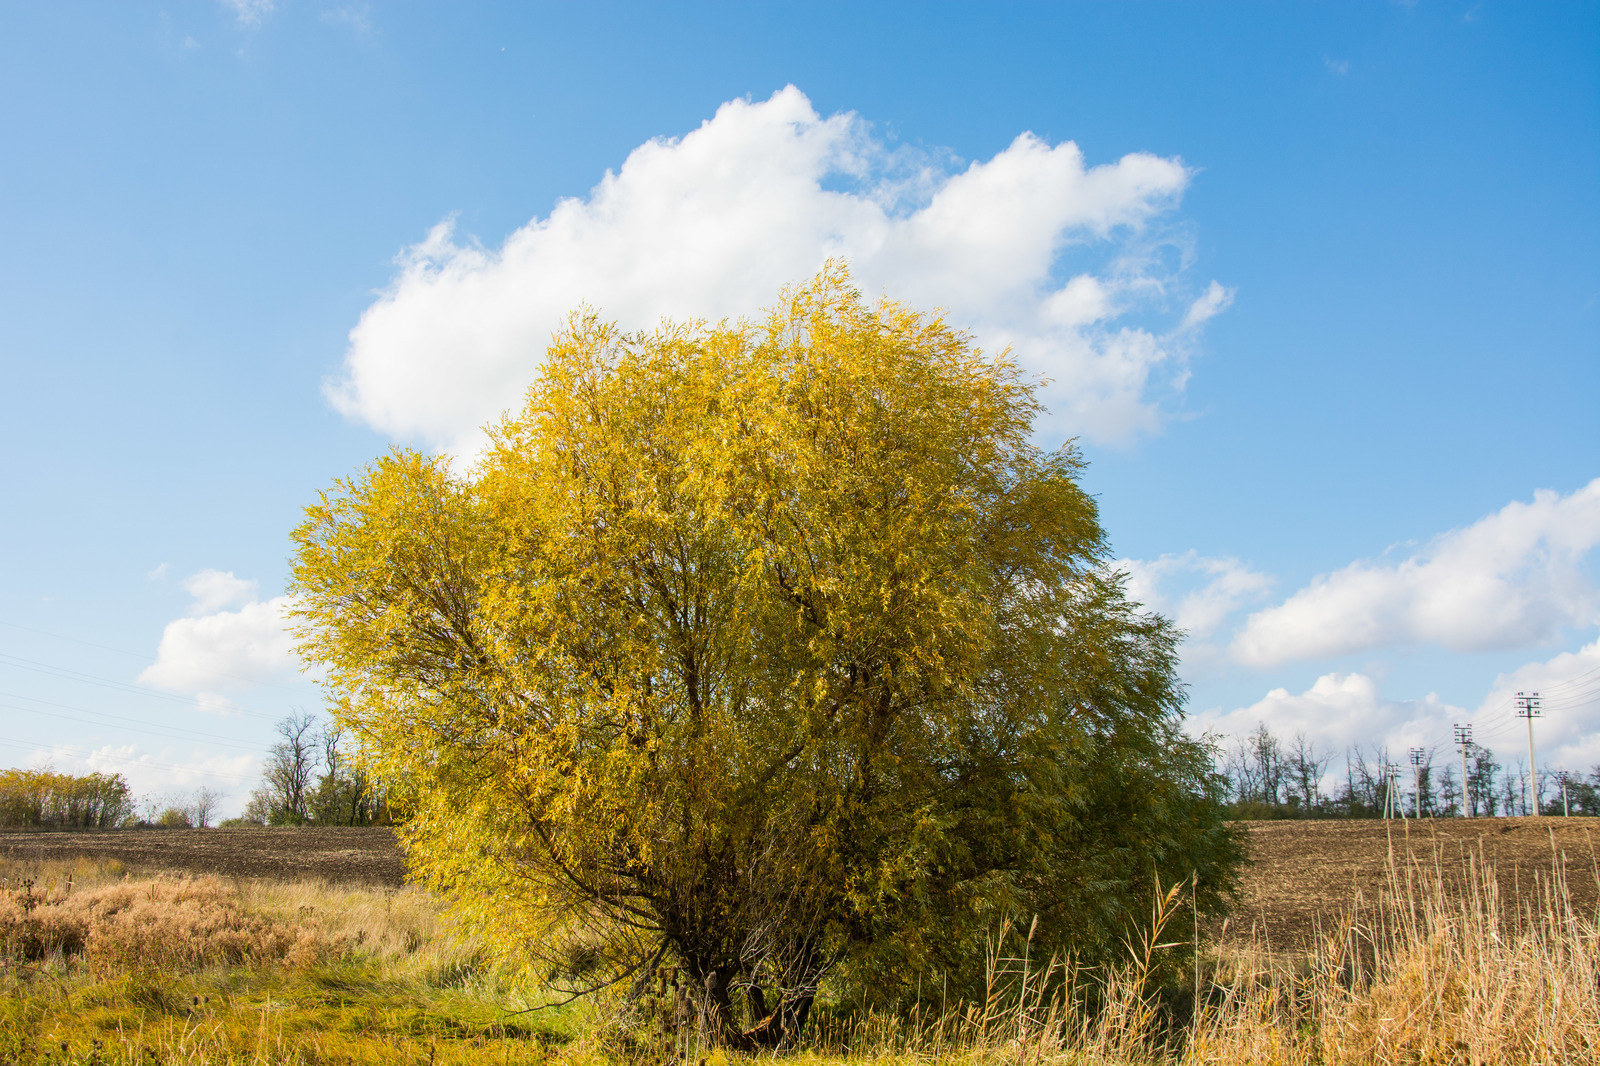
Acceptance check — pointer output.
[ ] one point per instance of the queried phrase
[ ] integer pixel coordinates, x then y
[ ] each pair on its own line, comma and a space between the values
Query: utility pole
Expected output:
1566, 811
1392, 774
1528, 707
1418, 757
1464, 741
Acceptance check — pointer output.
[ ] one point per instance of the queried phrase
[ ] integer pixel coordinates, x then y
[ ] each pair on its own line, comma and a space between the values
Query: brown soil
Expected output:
1303, 875
342, 855
1309, 874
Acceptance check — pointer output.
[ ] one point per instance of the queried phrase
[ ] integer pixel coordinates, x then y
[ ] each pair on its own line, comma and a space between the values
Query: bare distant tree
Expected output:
1268, 756
1365, 782
332, 760
1425, 787
203, 807
1306, 767
1256, 767
290, 767
1482, 800
1450, 798
1514, 788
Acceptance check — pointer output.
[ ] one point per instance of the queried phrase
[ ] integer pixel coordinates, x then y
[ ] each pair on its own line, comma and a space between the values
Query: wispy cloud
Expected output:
249, 13
1200, 593
356, 17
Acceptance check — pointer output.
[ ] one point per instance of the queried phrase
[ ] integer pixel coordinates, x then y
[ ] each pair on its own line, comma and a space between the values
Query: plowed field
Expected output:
1302, 873
359, 856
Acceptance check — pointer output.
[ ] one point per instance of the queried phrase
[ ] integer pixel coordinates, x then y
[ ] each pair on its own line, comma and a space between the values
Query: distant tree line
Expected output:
308, 780
1272, 778
44, 799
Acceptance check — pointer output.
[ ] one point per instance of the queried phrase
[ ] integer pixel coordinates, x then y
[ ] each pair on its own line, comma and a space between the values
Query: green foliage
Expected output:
293, 792
778, 652
174, 818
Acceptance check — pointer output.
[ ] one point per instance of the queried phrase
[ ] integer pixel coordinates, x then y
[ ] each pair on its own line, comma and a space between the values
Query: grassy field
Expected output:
1352, 943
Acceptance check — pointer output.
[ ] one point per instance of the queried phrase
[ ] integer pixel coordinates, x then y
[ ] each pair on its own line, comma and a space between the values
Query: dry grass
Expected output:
1424, 974
94, 910
213, 971
100, 968
1303, 875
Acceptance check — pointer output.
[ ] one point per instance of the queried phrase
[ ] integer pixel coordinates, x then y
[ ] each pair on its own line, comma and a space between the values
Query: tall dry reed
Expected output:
1439, 970
1443, 968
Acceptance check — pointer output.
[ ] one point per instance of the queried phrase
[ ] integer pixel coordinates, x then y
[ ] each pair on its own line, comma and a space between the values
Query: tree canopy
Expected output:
776, 651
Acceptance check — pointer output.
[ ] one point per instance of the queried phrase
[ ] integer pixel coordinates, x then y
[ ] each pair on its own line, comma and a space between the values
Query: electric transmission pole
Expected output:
1392, 776
1418, 756
1561, 776
1464, 741
1528, 707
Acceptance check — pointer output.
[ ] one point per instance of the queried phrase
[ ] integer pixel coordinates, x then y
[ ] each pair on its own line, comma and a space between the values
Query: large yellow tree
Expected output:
773, 651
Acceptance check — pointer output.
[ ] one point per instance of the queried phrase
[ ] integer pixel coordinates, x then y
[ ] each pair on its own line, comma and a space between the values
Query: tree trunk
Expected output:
719, 1013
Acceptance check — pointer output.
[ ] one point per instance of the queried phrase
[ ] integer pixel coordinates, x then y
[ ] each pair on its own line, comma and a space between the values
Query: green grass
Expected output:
64, 1011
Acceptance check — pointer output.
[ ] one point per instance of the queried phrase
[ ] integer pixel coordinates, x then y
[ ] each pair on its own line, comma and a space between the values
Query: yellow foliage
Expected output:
767, 650
46, 799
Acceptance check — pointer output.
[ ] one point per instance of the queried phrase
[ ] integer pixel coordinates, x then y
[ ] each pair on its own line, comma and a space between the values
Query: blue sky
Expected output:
1318, 289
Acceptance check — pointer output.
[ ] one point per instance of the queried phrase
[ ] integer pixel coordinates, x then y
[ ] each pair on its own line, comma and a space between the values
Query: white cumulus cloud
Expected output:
213, 590
146, 770
1339, 711
1345, 710
1567, 731
1512, 579
712, 223
215, 648
164, 773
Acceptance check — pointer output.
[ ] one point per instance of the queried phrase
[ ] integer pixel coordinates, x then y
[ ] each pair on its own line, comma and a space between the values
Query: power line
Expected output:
169, 732
142, 656
1595, 673
10, 743
1579, 698
66, 674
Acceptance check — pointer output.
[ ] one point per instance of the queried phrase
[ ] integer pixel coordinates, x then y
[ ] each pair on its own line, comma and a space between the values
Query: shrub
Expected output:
174, 818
